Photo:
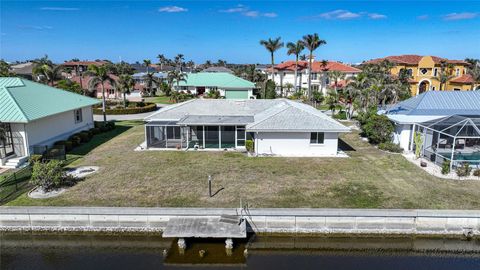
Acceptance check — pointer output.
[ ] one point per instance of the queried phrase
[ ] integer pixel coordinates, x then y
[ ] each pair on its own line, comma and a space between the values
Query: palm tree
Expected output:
150, 79
272, 45
445, 74
46, 71
5, 69
296, 49
311, 42
125, 85
336, 76
176, 76
474, 71
99, 76
147, 63
178, 60
161, 60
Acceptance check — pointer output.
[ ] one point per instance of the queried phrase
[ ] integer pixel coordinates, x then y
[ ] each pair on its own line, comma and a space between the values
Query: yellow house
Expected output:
426, 73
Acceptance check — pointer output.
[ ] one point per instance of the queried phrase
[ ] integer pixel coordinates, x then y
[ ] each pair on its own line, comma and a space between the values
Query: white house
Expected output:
34, 114
277, 127
229, 85
285, 74
429, 106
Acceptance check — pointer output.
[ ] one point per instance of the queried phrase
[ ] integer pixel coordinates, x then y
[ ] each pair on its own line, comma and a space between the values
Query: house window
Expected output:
424, 71
434, 88
78, 116
173, 133
457, 72
435, 72
456, 89
314, 76
241, 136
317, 137
410, 72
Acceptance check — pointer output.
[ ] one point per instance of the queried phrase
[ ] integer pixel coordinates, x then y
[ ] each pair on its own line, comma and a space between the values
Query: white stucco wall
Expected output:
48, 130
402, 135
295, 144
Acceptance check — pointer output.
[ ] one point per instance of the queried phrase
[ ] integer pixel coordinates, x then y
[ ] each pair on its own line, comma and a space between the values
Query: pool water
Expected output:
86, 251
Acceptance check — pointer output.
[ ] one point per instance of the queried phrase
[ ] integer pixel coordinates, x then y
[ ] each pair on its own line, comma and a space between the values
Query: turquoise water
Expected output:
65, 251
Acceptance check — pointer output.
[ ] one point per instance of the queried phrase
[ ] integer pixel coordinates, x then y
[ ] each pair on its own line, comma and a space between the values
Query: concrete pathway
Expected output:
123, 117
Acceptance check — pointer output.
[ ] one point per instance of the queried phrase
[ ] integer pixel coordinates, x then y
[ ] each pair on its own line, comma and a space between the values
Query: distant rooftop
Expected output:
218, 69
412, 59
218, 79
318, 66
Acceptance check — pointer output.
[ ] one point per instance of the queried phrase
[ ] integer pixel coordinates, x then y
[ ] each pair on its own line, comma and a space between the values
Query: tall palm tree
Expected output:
445, 74
272, 45
150, 79
295, 49
46, 71
125, 84
147, 63
176, 76
311, 42
178, 60
99, 76
161, 60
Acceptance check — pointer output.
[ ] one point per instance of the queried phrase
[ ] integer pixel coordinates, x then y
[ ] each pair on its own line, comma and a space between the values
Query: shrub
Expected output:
446, 167
342, 115
476, 173
48, 175
95, 131
68, 144
84, 137
249, 145
378, 129
140, 107
34, 158
110, 125
76, 140
464, 170
390, 147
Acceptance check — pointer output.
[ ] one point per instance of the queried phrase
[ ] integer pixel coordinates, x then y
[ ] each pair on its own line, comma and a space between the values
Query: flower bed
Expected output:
133, 108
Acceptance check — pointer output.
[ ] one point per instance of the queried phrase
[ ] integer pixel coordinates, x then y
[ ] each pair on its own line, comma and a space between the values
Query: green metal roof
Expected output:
218, 79
22, 101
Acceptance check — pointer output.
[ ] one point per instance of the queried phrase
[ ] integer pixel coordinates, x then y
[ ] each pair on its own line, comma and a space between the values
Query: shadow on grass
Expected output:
342, 145
102, 138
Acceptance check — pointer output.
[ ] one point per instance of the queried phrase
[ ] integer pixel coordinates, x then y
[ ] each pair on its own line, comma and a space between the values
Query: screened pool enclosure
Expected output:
455, 138
171, 135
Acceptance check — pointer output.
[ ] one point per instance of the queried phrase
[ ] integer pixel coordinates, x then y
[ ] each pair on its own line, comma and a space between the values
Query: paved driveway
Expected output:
122, 117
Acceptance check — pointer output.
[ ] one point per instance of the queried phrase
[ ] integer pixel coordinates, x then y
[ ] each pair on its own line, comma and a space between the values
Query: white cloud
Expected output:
339, 14
461, 16
59, 9
247, 12
376, 16
172, 9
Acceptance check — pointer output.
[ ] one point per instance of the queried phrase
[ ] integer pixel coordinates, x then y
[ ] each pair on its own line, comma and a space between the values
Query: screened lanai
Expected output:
454, 138
184, 134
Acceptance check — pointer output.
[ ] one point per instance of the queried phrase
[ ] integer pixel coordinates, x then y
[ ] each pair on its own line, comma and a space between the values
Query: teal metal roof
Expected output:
22, 101
218, 79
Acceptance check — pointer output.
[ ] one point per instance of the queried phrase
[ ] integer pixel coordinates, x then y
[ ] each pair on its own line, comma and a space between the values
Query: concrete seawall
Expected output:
276, 220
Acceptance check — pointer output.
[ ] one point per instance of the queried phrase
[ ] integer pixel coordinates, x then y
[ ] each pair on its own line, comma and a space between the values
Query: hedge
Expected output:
149, 107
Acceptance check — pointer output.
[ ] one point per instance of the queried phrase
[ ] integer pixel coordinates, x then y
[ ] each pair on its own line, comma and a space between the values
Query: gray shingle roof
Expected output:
439, 103
259, 114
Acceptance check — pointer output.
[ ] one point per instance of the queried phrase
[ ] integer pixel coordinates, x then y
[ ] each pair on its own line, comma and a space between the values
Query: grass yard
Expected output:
368, 179
159, 99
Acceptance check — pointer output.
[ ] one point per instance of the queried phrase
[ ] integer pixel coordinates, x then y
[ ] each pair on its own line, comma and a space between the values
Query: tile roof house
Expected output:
429, 106
425, 72
229, 85
285, 74
277, 127
34, 114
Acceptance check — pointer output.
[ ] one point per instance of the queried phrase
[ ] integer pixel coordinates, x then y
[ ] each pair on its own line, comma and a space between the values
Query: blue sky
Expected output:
231, 30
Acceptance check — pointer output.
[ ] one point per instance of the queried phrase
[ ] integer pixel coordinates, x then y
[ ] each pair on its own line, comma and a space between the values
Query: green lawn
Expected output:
159, 99
368, 179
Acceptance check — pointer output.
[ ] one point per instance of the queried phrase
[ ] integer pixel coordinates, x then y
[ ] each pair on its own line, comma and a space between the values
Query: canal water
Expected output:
100, 251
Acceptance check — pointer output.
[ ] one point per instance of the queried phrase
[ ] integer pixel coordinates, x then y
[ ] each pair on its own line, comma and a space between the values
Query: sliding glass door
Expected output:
6, 140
